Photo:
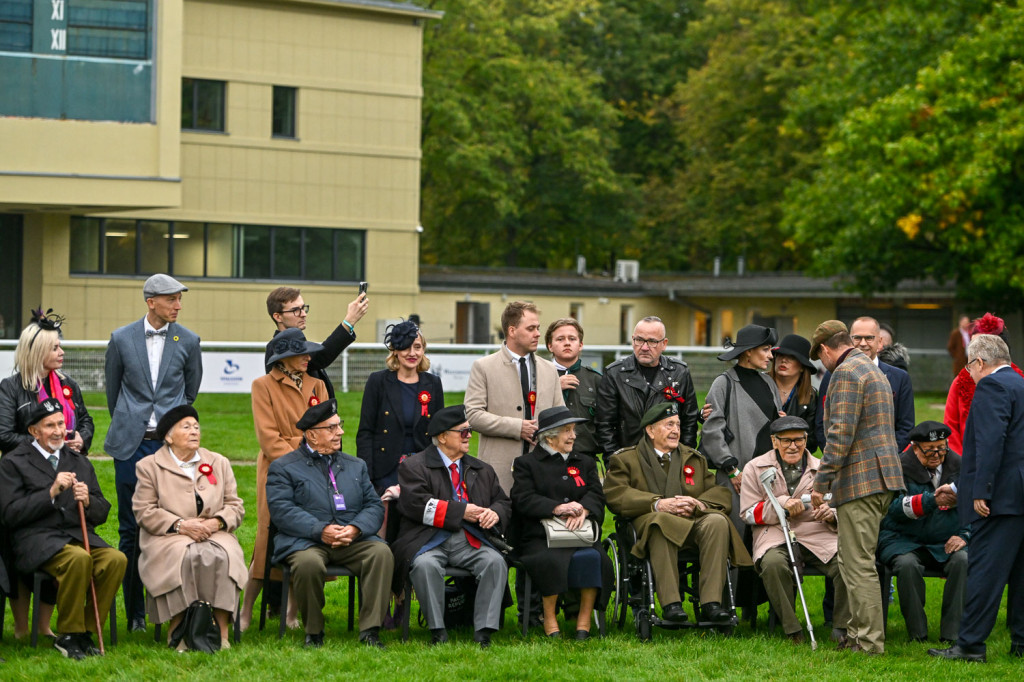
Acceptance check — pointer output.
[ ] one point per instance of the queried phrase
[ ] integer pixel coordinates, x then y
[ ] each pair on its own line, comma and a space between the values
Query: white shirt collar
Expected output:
875, 361
998, 368
46, 453
148, 327
515, 356
558, 366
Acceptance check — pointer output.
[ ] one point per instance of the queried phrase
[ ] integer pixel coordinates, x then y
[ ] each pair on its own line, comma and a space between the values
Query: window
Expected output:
202, 104
108, 28
115, 246
16, 25
283, 124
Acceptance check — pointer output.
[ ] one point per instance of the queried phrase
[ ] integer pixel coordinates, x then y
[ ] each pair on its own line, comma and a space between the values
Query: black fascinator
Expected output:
401, 335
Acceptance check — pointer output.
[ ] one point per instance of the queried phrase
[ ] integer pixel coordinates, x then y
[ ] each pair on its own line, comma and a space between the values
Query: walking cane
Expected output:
92, 582
767, 479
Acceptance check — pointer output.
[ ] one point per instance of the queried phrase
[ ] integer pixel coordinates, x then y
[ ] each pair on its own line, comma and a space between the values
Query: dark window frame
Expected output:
22, 22
292, 133
221, 124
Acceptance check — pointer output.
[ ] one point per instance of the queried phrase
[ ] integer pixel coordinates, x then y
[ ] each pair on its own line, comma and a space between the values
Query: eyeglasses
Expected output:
640, 342
297, 309
859, 337
786, 442
974, 361
330, 427
932, 452
465, 433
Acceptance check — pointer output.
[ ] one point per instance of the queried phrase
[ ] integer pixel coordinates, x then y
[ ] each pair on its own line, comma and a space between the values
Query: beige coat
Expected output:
820, 538
494, 407
277, 403
165, 494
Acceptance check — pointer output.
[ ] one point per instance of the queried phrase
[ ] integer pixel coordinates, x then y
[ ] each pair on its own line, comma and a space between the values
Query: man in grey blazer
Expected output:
152, 365
507, 390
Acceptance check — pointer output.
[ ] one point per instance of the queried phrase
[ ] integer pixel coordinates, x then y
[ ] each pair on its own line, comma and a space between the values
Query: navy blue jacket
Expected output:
902, 402
993, 462
301, 499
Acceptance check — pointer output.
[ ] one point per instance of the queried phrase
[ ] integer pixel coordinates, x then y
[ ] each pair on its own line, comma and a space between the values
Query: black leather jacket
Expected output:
16, 405
624, 395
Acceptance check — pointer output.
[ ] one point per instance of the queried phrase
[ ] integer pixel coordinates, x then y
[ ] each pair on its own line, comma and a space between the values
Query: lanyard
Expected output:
330, 472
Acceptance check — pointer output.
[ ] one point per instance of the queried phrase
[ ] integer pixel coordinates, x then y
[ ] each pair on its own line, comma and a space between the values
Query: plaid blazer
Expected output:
861, 457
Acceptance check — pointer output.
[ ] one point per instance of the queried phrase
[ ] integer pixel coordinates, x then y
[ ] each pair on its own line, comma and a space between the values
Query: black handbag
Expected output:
198, 629
727, 433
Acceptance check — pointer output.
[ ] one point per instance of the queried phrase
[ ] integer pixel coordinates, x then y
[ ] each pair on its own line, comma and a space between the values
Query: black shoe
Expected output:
918, 640
714, 613
1017, 650
955, 653
483, 638
314, 641
674, 612
69, 647
370, 638
796, 637
138, 624
582, 635
86, 645
557, 634
438, 636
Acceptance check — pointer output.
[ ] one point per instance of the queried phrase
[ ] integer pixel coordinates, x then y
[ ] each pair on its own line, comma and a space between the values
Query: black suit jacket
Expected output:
39, 528
381, 429
340, 339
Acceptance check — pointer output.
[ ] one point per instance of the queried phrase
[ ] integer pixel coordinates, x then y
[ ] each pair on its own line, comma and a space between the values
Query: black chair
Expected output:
885, 577
449, 572
38, 578
286, 574
524, 622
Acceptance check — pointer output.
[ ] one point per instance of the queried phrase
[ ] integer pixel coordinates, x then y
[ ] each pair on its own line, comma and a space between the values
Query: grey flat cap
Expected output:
162, 285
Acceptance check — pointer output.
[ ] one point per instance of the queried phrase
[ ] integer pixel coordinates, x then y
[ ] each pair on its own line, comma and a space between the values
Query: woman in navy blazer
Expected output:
397, 405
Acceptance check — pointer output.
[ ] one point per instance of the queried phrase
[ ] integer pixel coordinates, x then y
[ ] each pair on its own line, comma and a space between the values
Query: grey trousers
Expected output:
372, 561
486, 564
777, 575
909, 571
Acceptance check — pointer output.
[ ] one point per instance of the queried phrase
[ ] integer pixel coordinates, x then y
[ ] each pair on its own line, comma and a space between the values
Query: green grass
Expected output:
749, 654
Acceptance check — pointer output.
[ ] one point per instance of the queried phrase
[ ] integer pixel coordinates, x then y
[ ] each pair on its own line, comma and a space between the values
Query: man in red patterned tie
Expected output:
451, 507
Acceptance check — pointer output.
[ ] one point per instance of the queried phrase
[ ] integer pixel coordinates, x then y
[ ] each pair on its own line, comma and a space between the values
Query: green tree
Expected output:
928, 181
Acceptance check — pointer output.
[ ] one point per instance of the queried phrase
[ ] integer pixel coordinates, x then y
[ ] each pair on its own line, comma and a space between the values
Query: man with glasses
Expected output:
327, 512
288, 311
866, 334
452, 506
814, 530
922, 530
636, 383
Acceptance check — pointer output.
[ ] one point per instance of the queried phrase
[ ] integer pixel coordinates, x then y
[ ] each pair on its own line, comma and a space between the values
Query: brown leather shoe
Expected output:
796, 638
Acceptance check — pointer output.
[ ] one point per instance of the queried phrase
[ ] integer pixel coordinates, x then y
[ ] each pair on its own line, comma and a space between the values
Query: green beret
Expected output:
659, 412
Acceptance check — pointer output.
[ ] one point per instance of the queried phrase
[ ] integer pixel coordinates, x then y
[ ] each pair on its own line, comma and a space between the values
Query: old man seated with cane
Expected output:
779, 480
52, 504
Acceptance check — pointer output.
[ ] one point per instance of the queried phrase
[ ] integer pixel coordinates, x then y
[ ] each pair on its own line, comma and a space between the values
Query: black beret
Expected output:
43, 410
172, 417
446, 418
929, 432
659, 412
789, 424
320, 412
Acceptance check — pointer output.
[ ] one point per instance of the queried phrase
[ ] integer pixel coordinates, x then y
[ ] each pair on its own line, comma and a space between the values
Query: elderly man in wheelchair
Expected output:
671, 498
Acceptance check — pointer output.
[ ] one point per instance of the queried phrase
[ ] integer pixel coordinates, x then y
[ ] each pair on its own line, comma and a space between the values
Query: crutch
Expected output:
92, 582
767, 480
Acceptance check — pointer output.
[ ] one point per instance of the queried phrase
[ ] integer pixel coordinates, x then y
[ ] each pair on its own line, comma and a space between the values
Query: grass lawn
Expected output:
749, 654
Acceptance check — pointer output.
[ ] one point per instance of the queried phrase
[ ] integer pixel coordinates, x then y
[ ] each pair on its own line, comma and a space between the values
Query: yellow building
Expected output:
237, 144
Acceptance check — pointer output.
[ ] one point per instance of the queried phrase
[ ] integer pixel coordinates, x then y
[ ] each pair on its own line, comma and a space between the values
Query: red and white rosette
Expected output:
66, 390
575, 473
532, 399
424, 398
313, 400
688, 473
206, 470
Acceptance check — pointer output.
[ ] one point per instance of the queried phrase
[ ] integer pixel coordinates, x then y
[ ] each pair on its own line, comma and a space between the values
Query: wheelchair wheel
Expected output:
617, 600
642, 621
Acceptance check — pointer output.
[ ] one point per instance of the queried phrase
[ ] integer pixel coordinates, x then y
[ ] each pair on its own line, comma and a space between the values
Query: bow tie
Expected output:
156, 332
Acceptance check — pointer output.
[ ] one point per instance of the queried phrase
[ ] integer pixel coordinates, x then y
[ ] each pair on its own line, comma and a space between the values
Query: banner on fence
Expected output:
230, 372
6, 363
453, 369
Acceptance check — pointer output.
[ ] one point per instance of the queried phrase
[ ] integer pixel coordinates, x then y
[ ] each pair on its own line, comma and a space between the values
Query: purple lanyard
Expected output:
330, 472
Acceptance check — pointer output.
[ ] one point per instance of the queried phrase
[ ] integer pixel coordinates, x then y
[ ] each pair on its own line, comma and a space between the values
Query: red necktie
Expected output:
461, 496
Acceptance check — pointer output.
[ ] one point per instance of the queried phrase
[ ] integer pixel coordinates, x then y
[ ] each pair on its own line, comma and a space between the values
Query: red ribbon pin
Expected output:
207, 470
672, 394
688, 472
313, 400
424, 398
575, 473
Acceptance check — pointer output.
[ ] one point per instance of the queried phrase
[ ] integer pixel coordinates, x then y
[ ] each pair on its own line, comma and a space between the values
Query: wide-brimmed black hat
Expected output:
796, 346
401, 335
554, 417
320, 412
44, 409
446, 418
172, 417
751, 336
288, 344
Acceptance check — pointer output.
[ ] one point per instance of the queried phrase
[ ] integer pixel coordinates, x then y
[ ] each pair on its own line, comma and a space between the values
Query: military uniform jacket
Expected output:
39, 528
582, 402
627, 494
624, 395
914, 521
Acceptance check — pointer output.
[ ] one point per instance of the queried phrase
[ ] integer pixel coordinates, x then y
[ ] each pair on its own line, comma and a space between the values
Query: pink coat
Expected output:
756, 510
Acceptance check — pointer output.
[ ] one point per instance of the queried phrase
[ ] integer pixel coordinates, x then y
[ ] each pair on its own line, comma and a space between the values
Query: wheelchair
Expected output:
634, 587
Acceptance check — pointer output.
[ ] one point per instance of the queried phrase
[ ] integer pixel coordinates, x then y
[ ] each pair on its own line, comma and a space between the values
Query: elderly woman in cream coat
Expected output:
187, 507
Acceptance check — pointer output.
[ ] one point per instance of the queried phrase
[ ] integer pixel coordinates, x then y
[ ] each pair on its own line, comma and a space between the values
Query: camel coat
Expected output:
494, 408
277, 403
165, 494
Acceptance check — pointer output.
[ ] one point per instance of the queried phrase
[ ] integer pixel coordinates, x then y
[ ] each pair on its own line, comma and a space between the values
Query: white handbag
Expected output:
560, 536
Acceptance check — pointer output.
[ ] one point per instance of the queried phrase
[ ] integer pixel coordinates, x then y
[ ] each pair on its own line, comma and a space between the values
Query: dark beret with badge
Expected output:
446, 418
318, 413
43, 410
658, 412
172, 417
929, 432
